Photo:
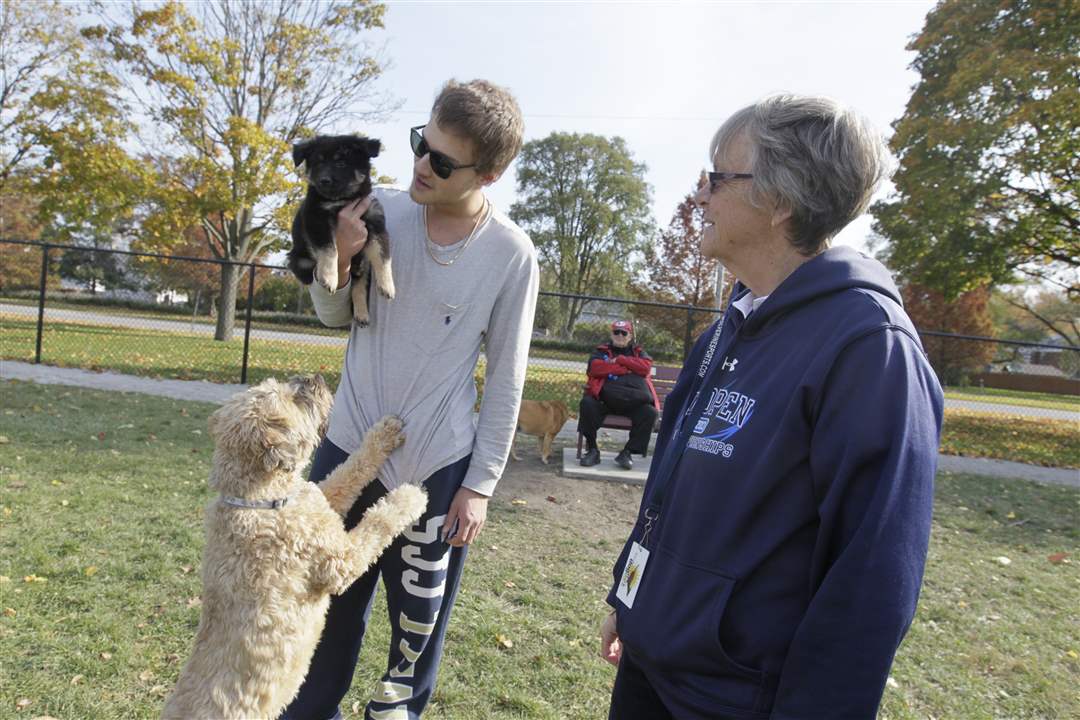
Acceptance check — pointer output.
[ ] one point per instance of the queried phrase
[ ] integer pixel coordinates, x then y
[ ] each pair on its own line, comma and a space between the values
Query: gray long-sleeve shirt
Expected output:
417, 357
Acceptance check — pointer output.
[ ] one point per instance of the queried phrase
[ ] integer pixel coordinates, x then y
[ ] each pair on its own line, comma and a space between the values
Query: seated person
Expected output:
620, 383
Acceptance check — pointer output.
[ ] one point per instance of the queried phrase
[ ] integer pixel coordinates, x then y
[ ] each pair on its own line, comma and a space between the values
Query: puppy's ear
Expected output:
301, 150
372, 147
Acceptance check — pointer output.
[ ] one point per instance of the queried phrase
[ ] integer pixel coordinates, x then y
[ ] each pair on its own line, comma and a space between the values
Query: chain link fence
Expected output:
94, 308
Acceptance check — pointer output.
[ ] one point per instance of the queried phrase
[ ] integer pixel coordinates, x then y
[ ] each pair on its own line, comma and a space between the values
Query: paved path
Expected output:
201, 390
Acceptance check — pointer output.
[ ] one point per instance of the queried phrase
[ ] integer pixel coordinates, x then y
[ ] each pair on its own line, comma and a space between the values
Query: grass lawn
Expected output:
1015, 397
101, 498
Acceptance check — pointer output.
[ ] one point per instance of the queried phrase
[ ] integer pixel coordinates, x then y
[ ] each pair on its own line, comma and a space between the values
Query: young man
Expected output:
464, 274
619, 382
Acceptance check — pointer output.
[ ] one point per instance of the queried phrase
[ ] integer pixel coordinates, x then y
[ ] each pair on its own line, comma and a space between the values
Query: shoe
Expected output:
623, 460
591, 457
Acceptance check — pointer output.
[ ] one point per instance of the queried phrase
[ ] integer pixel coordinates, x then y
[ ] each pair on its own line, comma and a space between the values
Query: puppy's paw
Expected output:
408, 500
361, 318
387, 435
327, 276
386, 288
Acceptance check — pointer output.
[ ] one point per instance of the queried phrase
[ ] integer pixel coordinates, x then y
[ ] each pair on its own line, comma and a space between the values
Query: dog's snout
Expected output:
325, 182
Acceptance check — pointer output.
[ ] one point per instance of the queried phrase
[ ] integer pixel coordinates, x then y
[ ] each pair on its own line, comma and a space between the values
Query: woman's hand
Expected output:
350, 236
610, 646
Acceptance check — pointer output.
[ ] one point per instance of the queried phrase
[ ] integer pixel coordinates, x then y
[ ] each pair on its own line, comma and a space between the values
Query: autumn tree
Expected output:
988, 187
677, 272
226, 87
964, 313
62, 125
1045, 316
585, 203
38, 40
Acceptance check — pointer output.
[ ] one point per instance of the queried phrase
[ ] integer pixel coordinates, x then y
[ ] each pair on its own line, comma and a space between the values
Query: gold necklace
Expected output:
480, 216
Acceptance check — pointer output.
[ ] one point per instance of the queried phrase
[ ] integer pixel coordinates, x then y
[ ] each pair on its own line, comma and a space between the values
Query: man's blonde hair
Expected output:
486, 114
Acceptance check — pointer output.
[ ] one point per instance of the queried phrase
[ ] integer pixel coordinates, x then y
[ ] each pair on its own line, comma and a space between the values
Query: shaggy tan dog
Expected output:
543, 418
276, 548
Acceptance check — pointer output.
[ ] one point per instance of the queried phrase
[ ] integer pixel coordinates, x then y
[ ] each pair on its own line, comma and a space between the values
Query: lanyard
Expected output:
705, 370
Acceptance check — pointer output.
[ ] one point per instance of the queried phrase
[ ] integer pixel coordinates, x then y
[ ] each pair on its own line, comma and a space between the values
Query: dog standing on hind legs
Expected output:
276, 548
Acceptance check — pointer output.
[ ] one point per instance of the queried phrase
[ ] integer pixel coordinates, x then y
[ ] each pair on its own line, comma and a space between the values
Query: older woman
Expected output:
782, 536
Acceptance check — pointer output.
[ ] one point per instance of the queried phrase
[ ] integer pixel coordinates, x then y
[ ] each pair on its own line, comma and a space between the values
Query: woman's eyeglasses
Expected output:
441, 164
716, 179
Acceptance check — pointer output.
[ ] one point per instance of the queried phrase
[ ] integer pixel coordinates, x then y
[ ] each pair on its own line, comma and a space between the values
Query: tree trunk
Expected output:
230, 278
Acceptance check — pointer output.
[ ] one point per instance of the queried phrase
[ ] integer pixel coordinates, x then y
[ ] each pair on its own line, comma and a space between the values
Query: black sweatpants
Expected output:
591, 414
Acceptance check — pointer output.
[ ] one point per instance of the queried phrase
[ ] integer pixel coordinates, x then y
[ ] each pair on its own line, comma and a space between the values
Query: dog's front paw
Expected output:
387, 435
386, 289
409, 500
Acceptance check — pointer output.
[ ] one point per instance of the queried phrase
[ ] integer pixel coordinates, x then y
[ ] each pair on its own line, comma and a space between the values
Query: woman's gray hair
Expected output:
812, 155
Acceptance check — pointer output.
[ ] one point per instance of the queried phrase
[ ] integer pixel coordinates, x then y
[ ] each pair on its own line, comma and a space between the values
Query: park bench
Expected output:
663, 379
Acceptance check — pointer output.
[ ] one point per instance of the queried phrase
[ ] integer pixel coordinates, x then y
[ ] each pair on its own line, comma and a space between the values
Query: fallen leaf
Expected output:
35, 579
146, 675
892, 682
194, 602
504, 642
1002, 560
184, 412
1057, 558
4, 440
105, 656
101, 435
356, 707
185, 569
9, 612
518, 501
63, 503
24, 703
77, 679
1073, 654
1011, 515
90, 571
510, 584
551, 498
4, 579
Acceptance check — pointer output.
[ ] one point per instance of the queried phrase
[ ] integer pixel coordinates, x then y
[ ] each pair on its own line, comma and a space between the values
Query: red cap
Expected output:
623, 325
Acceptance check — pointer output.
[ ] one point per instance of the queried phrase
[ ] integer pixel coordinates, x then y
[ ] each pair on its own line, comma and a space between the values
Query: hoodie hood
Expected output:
836, 269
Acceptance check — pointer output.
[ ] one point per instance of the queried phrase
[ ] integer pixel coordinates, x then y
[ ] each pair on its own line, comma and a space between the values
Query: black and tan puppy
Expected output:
338, 171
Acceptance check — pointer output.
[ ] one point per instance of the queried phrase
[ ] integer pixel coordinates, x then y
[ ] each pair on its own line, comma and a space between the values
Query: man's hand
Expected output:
469, 511
610, 645
350, 236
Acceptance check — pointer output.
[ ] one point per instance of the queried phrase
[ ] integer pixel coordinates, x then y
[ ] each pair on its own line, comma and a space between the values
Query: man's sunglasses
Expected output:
716, 179
441, 164
619, 332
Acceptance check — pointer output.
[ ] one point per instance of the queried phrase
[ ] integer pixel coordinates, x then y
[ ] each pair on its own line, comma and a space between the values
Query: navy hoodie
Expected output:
794, 480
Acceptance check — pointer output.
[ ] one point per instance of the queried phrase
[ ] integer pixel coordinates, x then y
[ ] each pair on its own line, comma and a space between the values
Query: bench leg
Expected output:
580, 439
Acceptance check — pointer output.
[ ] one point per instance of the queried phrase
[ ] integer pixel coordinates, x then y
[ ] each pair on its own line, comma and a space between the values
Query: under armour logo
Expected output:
729, 365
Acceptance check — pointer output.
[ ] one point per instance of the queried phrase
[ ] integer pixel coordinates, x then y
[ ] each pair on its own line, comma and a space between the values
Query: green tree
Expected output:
227, 86
585, 203
988, 187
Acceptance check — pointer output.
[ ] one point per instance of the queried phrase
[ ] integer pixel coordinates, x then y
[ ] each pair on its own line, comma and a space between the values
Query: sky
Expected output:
662, 75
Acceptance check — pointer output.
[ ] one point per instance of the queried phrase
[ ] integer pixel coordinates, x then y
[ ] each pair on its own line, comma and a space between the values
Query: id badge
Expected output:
632, 572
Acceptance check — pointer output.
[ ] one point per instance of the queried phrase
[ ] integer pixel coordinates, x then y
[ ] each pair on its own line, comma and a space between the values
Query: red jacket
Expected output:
603, 363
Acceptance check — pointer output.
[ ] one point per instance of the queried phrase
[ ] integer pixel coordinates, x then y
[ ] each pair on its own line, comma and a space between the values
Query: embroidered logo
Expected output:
729, 409
729, 365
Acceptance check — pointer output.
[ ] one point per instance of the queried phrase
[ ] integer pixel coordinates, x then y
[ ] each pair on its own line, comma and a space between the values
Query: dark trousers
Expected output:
420, 575
591, 414
633, 698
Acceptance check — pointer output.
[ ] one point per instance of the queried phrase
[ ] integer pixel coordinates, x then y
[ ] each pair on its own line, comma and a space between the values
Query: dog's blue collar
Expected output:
257, 504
